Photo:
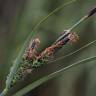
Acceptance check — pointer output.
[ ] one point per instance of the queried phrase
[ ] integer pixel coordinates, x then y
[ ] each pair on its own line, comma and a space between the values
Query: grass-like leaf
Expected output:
50, 76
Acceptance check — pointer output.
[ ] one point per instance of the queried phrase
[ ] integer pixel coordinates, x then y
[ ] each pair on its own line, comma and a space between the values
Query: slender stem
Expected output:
91, 13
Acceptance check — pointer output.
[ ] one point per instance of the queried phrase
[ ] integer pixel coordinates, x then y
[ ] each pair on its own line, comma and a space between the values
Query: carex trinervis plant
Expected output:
31, 59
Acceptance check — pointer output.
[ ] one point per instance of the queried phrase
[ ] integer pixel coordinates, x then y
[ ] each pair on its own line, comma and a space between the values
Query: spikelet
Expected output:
70, 37
31, 60
26, 65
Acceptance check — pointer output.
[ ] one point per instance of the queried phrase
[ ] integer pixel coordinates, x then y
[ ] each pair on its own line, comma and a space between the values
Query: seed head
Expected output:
92, 12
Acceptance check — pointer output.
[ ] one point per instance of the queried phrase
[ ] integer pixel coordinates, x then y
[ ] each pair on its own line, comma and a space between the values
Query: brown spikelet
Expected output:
92, 12
71, 37
31, 52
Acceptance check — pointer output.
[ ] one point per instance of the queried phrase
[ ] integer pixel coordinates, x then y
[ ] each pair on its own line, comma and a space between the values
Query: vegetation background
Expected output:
18, 17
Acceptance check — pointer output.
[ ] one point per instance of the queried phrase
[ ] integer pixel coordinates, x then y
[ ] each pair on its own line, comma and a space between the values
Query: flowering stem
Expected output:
66, 32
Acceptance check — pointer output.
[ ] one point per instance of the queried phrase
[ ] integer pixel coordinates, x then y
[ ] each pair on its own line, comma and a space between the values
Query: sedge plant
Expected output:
28, 59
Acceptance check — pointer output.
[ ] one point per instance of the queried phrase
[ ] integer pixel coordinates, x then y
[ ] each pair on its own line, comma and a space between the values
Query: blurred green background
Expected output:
18, 17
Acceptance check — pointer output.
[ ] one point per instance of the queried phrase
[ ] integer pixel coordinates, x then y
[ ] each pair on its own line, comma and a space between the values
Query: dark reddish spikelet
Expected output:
71, 37
92, 12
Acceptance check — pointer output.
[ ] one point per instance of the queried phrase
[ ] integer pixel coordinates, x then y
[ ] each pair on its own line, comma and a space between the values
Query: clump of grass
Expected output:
31, 60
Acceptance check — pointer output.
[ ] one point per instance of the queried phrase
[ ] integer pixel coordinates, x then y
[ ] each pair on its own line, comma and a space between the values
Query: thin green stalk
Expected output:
91, 13
50, 76
79, 22
50, 14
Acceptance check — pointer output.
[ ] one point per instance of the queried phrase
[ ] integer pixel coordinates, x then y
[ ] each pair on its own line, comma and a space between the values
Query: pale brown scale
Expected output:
26, 72
73, 38
50, 50
31, 52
